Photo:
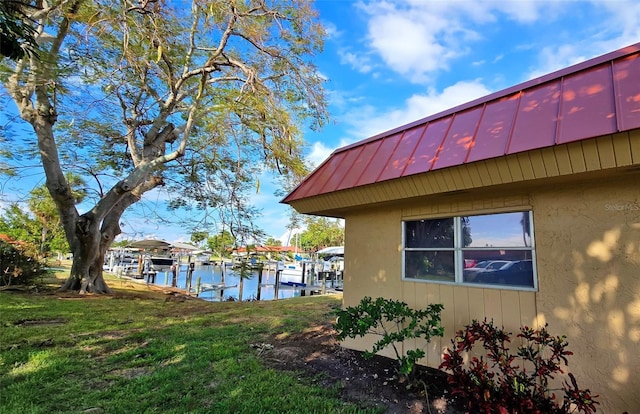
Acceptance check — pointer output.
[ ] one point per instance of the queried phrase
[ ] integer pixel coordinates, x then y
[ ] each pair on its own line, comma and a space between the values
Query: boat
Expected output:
293, 284
158, 263
293, 272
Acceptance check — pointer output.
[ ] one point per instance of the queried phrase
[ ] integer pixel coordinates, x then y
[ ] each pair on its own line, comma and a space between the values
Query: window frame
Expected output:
458, 252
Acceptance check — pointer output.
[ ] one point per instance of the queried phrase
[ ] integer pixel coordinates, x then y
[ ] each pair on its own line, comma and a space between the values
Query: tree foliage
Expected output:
273, 242
17, 38
52, 237
40, 227
221, 244
321, 232
141, 95
20, 225
198, 237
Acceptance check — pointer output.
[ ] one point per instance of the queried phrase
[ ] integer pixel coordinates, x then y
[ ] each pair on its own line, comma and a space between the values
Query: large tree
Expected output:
141, 94
221, 244
321, 232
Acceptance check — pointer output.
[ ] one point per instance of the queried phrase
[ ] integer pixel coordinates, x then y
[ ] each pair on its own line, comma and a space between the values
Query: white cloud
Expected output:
557, 57
412, 44
319, 153
621, 17
331, 30
616, 27
366, 121
357, 61
418, 38
524, 11
553, 58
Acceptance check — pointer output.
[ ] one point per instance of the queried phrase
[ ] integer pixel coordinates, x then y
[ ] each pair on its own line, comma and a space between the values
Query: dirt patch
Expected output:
131, 373
41, 322
368, 383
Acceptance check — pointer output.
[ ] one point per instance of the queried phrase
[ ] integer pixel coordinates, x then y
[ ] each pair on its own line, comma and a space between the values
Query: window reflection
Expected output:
492, 249
515, 273
484, 262
430, 265
436, 233
498, 230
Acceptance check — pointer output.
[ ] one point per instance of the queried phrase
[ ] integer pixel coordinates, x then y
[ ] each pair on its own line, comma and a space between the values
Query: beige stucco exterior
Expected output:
588, 266
585, 201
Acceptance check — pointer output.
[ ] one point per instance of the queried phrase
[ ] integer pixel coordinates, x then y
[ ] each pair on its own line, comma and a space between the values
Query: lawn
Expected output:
143, 351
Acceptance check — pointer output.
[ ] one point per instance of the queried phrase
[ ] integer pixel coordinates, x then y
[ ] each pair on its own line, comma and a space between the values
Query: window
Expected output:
491, 249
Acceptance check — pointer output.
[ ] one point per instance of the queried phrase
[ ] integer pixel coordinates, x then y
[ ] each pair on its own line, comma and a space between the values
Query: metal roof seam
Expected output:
337, 167
395, 147
444, 137
346, 174
305, 180
616, 97
561, 103
406, 165
371, 158
475, 134
616, 107
513, 123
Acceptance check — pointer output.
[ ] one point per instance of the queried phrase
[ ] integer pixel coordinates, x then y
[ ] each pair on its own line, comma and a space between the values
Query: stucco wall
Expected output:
371, 269
588, 244
588, 255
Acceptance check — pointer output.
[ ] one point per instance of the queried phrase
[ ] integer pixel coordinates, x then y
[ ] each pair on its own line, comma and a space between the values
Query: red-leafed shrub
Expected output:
513, 384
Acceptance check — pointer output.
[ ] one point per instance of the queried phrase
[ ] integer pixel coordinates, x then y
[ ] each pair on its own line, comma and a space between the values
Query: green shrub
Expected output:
394, 322
500, 385
17, 266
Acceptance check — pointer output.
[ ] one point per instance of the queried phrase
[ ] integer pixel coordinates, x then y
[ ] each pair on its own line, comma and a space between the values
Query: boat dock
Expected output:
232, 280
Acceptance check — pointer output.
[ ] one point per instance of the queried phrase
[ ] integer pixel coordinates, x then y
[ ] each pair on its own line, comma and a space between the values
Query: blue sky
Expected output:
388, 63
391, 62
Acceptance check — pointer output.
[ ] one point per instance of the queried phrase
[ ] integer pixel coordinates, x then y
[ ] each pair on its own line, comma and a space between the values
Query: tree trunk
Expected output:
94, 241
86, 270
43, 240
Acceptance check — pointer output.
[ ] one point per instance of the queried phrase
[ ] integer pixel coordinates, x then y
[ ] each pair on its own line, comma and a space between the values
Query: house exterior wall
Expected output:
587, 236
588, 246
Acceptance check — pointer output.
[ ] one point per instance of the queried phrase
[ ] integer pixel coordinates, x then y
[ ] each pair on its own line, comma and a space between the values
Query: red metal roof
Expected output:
598, 97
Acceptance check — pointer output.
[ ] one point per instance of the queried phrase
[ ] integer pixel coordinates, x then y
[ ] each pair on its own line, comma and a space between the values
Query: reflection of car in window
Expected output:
518, 273
471, 273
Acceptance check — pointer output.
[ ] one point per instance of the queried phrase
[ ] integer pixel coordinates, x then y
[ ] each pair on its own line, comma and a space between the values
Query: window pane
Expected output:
436, 233
499, 267
431, 265
497, 230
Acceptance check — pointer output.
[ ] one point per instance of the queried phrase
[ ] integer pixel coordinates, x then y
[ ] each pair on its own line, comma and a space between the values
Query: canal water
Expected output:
213, 275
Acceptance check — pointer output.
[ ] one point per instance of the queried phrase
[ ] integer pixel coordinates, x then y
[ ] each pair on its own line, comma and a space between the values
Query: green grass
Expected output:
134, 352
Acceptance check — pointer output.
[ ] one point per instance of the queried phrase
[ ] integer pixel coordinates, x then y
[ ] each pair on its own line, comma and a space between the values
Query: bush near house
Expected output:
500, 385
17, 265
394, 322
